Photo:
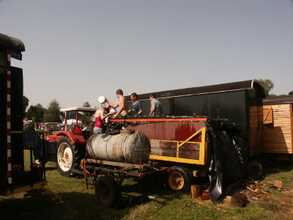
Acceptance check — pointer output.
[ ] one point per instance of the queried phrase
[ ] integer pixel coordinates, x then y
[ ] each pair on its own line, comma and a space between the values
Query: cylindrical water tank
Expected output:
122, 147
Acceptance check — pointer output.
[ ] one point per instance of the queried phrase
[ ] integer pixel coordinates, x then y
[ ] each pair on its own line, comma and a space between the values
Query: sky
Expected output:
77, 50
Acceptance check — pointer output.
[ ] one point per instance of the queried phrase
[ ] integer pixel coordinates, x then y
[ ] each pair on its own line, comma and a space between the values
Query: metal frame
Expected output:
164, 119
81, 109
8, 120
117, 164
177, 159
75, 110
93, 167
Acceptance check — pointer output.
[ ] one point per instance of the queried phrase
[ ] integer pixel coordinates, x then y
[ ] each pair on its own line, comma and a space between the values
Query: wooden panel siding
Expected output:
277, 136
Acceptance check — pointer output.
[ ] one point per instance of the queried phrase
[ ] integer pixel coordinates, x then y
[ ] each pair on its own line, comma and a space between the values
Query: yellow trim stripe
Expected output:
176, 159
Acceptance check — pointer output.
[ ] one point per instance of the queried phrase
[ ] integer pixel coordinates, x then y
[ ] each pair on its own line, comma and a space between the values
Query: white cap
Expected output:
112, 111
102, 99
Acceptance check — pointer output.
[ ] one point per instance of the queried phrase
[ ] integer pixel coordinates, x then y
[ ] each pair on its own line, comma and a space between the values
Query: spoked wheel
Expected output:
179, 180
65, 157
106, 191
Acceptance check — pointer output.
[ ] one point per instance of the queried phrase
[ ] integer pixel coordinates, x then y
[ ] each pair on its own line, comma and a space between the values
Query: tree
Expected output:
86, 104
53, 112
36, 113
291, 93
25, 102
86, 116
267, 84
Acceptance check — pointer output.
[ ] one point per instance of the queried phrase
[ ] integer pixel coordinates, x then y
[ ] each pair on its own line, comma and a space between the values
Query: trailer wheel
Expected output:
179, 179
106, 191
66, 156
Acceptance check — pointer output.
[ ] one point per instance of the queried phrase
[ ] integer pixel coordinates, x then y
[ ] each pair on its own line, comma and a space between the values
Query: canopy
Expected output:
14, 45
219, 88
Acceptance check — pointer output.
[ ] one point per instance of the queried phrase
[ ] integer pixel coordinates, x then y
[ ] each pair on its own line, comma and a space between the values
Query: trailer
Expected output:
239, 102
187, 150
17, 170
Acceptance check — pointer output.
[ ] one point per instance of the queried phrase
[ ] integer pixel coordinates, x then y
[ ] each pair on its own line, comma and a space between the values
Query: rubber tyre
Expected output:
255, 170
179, 179
68, 157
232, 168
106, 191
243, 147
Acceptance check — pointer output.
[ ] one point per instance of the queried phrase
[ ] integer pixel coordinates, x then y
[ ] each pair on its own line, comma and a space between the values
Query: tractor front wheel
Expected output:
66, 156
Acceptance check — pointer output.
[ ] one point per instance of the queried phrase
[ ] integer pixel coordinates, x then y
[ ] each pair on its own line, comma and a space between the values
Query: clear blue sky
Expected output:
80, 49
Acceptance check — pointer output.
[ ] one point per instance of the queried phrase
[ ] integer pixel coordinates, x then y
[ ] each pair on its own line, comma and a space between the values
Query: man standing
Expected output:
135, 107
120, 105
156, 108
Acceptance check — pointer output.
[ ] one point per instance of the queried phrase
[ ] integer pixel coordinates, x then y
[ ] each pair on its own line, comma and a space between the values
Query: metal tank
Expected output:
123, 147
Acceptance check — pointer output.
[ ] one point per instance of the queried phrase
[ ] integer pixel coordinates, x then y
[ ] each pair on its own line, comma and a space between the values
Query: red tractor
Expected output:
70, 141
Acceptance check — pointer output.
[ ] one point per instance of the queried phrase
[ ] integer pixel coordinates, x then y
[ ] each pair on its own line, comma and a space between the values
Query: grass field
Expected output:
68, 198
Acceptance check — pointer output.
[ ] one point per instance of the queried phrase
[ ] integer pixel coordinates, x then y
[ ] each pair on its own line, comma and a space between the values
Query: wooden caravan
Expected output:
278, 125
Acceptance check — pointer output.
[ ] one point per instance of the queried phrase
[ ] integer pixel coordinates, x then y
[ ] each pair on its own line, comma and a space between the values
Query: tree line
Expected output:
268, 86
38, 113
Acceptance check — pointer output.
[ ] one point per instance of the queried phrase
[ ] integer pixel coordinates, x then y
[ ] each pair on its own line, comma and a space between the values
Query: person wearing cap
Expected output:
120, 106
135, 108
100, 115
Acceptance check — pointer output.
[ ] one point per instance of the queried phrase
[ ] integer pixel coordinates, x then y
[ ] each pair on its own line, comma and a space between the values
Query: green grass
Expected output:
68, 198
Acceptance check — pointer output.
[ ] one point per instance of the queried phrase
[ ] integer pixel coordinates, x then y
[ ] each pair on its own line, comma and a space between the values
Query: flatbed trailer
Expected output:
183, 148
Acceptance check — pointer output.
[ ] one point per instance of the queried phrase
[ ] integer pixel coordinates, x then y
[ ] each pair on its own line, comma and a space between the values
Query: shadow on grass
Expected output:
44, 204
152, 188
50, 168
275, 165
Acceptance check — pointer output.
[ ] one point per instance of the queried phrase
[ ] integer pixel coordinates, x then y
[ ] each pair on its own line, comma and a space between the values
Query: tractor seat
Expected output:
76, 130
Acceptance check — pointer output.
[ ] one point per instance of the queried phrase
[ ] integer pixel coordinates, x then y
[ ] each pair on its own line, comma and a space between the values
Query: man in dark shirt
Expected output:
135, 107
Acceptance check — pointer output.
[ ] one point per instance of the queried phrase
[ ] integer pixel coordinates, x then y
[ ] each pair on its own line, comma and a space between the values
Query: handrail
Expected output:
177, 159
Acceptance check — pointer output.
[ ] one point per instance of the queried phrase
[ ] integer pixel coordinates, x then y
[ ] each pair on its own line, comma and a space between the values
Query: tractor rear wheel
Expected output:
68, 157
